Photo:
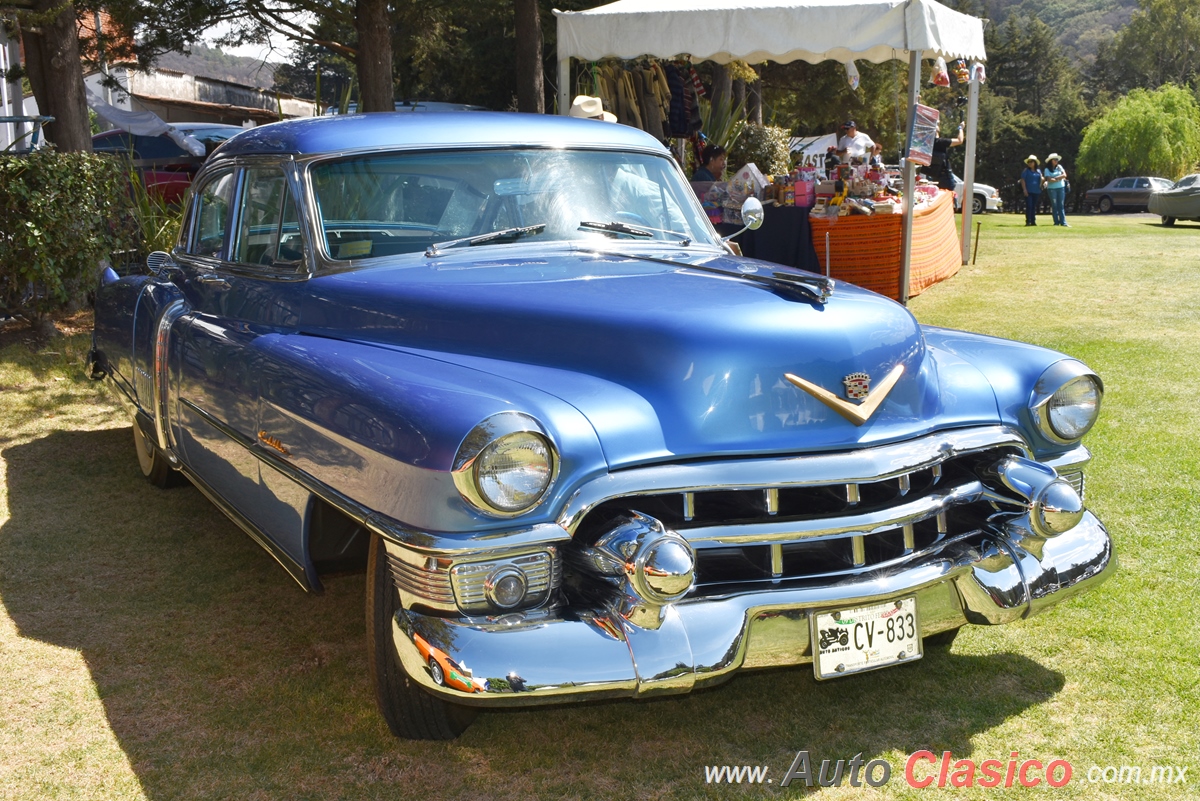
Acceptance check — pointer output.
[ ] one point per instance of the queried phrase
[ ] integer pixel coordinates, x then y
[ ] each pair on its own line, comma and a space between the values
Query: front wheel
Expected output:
153, 462
410, 712
1105, 205
1168, 221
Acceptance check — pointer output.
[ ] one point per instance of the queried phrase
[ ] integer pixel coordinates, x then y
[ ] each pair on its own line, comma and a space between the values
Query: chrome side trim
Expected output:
162, 344
294, 568
850, 467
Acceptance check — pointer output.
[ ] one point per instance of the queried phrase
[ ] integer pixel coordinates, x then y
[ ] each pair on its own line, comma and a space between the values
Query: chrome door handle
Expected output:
213, 281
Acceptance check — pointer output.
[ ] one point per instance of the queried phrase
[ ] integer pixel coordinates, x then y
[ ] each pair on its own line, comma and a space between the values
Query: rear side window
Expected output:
157, 147
211, 216
113, 142
1126, 183
268, 231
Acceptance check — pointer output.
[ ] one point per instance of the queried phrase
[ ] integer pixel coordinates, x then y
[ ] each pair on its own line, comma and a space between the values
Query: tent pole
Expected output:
910, 180
564, 85
968, 190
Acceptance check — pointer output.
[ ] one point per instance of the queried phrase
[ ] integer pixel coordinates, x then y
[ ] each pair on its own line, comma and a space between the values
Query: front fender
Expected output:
383, 427
1013, 369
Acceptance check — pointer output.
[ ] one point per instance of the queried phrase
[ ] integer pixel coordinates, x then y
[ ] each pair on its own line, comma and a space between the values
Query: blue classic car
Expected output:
582, 450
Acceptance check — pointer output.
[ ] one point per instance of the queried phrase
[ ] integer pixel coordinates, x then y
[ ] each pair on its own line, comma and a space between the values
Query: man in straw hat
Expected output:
590, 108
1031, 183
1056, 186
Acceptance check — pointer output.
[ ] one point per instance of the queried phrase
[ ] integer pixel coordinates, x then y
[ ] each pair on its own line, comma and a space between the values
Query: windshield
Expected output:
381, 205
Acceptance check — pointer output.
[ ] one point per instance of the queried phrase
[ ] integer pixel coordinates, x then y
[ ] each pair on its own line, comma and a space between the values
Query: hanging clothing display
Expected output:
660, 98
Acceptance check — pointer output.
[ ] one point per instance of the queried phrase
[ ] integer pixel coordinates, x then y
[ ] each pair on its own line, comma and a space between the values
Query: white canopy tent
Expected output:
782, 31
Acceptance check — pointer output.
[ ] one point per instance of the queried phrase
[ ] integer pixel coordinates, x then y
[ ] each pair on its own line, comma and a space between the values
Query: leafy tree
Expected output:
1161, 44
1146, 132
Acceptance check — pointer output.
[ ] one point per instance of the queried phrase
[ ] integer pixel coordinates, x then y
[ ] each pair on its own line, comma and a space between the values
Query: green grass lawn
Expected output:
149, 649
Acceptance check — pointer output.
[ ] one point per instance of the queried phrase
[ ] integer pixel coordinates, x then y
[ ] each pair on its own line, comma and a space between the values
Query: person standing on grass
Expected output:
1031, 184
1056, 186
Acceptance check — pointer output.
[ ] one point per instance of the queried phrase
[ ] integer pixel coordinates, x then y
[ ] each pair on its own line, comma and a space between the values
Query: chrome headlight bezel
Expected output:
1057, 378
485, 436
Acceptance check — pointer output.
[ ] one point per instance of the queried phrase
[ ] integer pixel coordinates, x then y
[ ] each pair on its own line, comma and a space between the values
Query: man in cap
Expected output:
854, 145
1031, 184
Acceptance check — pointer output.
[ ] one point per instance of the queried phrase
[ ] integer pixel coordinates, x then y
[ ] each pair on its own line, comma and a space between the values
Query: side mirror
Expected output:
156, 260
752, 216
752, 213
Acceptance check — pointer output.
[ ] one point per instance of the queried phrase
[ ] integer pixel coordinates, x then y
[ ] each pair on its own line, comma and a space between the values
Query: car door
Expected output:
1140, 195
240, 275
1122, 193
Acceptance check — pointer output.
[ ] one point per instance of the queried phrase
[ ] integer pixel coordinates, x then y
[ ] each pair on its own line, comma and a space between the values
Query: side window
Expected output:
268, 229
212, 215
157, 147
1143, 183
1126, 183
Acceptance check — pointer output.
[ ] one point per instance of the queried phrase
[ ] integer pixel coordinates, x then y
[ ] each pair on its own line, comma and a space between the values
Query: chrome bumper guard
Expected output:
985, 577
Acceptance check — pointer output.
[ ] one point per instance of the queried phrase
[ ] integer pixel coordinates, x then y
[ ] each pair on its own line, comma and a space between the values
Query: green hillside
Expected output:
1080, 25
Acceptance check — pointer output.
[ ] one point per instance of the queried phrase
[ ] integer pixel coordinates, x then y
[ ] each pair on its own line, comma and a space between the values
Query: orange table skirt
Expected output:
865, 250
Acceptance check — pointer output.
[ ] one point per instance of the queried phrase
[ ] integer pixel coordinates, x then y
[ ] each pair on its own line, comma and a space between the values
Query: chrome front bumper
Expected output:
554, 656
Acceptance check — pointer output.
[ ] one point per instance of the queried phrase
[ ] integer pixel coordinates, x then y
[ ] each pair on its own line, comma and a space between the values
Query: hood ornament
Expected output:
858, 385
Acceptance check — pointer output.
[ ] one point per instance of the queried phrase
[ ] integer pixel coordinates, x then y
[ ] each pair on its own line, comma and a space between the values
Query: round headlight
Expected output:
1072, 410
513, 472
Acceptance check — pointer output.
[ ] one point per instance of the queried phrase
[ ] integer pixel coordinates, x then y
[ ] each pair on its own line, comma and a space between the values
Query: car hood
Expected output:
665, 362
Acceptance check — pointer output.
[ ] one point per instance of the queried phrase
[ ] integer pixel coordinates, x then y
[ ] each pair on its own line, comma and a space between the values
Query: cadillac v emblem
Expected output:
858, 386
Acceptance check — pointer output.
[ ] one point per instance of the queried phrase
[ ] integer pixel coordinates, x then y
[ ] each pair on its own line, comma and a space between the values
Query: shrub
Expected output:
63, 213
764, 145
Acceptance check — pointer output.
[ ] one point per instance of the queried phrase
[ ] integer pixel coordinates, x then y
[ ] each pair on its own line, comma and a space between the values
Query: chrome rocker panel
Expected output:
984, 578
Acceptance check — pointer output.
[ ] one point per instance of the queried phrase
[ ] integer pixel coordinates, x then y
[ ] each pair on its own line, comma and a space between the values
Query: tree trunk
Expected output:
531, 93
375, 86
754, 106
56, 75
722, 86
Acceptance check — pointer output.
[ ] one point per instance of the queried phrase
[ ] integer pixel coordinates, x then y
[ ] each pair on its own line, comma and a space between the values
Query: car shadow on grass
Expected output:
221, 678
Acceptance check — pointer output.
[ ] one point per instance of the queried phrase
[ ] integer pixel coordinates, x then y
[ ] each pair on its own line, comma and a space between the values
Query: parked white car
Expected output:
985, 198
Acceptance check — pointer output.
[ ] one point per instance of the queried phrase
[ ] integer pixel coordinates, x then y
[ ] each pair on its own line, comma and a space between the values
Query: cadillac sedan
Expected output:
504, 364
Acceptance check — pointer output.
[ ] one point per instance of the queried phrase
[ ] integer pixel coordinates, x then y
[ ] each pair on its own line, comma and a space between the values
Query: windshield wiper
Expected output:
506, 234
793, 286
622, 228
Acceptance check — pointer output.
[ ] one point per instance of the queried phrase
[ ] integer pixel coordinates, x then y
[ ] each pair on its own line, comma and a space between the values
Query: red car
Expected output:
166, 168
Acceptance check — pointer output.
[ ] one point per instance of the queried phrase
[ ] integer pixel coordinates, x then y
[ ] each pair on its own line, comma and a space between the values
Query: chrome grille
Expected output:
1075, 479
789, 531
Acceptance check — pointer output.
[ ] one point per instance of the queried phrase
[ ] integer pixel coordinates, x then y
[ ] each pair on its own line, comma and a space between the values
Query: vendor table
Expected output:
863, 250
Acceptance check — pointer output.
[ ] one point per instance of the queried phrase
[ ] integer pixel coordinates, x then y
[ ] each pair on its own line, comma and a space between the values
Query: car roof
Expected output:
317, 135
179, 126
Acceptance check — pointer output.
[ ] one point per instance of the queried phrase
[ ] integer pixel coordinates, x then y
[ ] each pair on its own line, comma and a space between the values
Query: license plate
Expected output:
851, 640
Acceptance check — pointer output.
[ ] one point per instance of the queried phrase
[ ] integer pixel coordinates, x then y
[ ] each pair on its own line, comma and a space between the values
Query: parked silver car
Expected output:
1180, 202
1128, 193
